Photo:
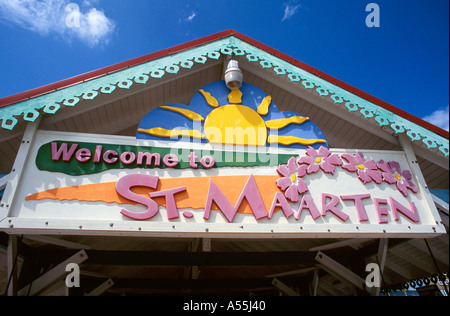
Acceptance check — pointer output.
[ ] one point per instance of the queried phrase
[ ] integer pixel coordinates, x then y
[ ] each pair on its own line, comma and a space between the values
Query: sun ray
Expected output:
235, 97
187, 113
291, 140
281, 123
162, 132
209, 99
263, 109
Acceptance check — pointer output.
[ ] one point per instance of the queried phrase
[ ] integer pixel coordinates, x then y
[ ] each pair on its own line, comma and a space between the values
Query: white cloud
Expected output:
191, 17
290, 10
439, 118
61, 17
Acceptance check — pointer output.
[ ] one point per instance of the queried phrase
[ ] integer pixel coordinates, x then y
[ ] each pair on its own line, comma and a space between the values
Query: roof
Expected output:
197, 43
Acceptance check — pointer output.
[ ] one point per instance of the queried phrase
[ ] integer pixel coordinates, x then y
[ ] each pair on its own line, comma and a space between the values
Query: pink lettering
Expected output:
83, 155
399, 208
208, 165
170, 161
66, 154
171, 205
250, 192
360, 210
156, 158
107, 156
127, 158
123, 187
381, 210
331, 206
98, 154
280, 201
308, 203
192, 159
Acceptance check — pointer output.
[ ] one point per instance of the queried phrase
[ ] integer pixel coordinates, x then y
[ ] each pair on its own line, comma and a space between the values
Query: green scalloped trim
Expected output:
140, 74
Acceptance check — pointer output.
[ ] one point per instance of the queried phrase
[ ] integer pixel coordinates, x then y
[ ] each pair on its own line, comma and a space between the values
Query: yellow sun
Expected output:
235, 124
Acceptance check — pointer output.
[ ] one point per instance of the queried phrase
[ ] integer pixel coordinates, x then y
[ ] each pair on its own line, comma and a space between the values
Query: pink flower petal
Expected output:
327, 167
292, 165
406, 174
301, 171
349, 167
382, 165
375, 175
313, 168
306, 159
324, 152
402, 188
359, 157
370, 164
350, 158
389, 177
302, 186
411, 186
334, 160
363, 176
312, 152
394, 166
292, 193
283, 170
284, 183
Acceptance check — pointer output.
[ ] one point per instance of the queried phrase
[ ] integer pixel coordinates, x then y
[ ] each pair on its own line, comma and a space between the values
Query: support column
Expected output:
12, 257
14, 178
381, 261
421, 184
335, 268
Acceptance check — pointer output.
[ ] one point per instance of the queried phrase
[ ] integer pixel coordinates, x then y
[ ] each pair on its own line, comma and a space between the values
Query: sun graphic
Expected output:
218, 115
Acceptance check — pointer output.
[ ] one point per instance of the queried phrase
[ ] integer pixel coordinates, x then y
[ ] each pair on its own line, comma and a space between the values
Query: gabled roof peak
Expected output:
68, 92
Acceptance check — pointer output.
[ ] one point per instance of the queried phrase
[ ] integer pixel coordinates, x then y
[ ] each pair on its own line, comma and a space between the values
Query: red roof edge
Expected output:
207, 39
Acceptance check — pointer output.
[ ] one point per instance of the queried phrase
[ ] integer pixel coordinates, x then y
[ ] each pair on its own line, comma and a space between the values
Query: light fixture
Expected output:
233, 75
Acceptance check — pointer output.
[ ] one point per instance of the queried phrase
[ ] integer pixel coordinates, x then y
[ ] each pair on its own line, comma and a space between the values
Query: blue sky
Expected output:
404, 61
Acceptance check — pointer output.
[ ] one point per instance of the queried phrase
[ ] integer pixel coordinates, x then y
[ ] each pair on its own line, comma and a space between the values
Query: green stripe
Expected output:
73, 167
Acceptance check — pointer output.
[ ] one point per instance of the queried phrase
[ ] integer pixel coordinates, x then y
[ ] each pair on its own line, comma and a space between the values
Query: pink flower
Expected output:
367, 170
322, 159
291, 181
392, 173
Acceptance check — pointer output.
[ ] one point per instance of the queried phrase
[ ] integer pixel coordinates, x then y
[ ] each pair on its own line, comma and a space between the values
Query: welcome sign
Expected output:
228, 165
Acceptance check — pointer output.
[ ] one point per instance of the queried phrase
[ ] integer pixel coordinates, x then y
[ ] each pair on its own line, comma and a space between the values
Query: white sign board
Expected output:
75, 184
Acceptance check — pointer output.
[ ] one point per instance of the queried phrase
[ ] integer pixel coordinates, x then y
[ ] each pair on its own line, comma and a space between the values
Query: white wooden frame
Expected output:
221, 229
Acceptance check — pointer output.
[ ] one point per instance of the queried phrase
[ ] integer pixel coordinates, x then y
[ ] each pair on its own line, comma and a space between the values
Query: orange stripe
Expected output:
194, 197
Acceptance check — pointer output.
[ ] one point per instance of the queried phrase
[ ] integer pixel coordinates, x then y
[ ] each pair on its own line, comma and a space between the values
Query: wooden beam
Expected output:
339, 270
284, 288
57, 242
51, 277
142, 258
340, 244
225, 285
105, 286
